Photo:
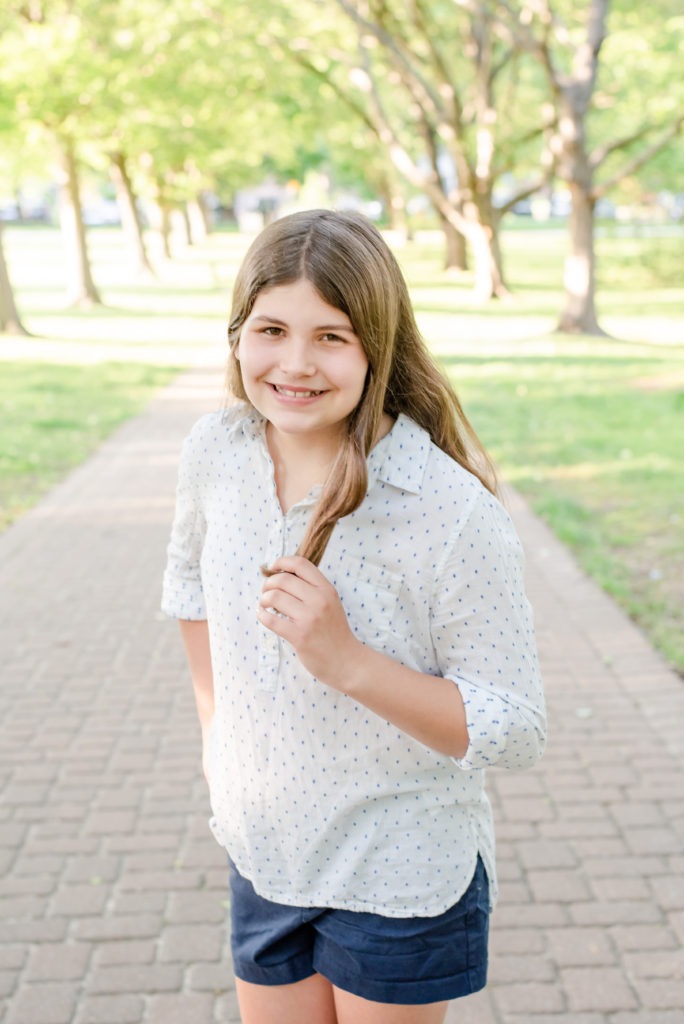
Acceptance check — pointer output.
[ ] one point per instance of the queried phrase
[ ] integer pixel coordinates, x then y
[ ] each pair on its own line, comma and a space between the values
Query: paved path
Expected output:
113, 901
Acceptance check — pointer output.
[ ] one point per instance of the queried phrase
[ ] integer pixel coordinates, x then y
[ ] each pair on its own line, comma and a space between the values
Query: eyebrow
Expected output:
320, 327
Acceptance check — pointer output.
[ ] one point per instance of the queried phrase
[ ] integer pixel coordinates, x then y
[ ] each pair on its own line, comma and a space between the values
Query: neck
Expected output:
299, 464
295, 451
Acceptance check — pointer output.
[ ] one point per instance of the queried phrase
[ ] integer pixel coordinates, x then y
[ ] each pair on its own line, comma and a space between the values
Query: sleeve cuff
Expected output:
487, 724
183, 600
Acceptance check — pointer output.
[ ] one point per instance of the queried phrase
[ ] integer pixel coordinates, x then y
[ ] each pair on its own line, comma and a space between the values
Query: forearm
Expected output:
195, 637
429, 708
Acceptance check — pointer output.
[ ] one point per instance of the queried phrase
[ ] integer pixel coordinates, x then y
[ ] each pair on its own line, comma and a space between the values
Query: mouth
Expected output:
295, 392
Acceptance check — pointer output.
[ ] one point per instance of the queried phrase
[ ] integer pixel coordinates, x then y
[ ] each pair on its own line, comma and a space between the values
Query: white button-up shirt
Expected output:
319, 801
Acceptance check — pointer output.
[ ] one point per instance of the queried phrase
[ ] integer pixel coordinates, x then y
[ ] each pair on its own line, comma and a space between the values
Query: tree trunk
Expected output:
455, 252
161, 224
165, 227
398, 215
130, 216
489, 279
10, 322
393, 202
579, 312
575, 168
482, 232
198, 217
81, 290
185, 225
482, 237
481, 209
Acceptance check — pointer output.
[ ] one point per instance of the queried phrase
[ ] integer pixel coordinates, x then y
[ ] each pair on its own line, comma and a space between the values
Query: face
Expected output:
303, 367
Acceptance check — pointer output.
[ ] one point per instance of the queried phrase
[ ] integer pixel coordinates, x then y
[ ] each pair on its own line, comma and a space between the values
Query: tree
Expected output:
448, 93
183, 78
131, 218
10, 321
81, 289
585, 144
55, 77
140, 90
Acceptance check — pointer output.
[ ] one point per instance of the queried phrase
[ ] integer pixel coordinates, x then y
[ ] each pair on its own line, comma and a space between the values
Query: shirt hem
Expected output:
317, 899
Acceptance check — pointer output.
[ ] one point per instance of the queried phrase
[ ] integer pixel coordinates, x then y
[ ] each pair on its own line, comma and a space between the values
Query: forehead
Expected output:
298, 300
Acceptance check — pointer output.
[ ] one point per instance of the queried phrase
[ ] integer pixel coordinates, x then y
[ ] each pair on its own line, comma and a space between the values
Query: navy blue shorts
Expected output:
384, 959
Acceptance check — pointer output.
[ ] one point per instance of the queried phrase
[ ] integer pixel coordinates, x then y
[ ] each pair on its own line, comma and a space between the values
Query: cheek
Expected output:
358, 374
246, 372
248, 361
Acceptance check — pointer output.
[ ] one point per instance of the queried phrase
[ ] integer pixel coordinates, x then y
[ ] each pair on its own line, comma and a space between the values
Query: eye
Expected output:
332, 337
272, 331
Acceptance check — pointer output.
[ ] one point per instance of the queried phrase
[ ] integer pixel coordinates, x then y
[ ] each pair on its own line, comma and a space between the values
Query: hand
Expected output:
311, 618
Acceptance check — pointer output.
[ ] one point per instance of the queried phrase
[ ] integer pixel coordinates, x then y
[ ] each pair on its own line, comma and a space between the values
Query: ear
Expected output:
236, 352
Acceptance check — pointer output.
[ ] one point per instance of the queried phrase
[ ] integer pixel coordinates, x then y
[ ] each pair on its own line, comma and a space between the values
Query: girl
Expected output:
351, 602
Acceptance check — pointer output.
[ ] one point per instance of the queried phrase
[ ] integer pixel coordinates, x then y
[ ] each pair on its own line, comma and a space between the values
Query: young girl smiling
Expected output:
351, 602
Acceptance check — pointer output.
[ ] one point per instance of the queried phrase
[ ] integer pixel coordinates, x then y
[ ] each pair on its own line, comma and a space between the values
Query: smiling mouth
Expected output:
295, 392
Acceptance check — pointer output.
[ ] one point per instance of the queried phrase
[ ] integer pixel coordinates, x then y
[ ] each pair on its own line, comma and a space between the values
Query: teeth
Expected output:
295, 394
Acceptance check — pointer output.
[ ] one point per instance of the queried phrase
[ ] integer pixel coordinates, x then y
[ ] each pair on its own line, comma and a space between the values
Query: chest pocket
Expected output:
369, 595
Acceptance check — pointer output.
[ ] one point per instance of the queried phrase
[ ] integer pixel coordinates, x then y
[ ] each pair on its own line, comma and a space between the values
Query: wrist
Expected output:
348, 667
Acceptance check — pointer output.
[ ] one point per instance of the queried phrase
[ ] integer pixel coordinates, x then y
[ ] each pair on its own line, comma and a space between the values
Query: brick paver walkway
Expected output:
113, 900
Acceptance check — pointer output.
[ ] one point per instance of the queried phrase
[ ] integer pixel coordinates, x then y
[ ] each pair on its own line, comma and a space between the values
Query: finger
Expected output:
281, 603
286, 583
298, 566
277, 624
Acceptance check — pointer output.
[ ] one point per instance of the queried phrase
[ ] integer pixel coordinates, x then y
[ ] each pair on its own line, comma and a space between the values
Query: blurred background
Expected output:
524, 160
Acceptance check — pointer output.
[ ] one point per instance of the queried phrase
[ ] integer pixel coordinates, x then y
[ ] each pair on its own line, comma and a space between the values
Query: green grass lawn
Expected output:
590, 430
596, 445
53, 416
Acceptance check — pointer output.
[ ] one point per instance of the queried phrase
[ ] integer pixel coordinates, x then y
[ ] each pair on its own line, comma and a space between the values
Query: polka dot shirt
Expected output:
319, 801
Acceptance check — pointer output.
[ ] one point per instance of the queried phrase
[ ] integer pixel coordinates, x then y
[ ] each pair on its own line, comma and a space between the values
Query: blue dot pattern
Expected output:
318, 800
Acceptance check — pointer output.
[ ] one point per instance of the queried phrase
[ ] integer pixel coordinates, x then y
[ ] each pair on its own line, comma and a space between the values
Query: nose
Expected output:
296, 357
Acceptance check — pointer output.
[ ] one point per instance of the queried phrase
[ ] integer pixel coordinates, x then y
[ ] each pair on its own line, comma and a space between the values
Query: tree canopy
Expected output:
473, 103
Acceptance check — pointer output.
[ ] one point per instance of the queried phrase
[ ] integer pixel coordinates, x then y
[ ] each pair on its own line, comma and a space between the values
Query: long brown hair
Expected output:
349, 264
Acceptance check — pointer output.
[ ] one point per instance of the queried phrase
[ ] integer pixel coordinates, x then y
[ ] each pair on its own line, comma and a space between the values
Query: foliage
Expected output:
199, 90
456, 97
172, 85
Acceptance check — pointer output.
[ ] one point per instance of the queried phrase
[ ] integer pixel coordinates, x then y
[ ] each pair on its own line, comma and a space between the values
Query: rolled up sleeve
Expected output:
483, 634
182, 592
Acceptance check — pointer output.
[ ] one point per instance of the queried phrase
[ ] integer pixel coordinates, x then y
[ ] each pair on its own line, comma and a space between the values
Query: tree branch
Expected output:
639, 160
597, 157
412, 77
585, 59
439, 63
346, 97
525, 192
523, 140
518, 24
429, 183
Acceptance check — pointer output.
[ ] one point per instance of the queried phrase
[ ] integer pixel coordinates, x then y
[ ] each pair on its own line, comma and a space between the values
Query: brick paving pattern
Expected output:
113, 893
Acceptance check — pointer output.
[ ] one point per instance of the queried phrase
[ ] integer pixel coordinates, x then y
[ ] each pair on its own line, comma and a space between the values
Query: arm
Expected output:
183, 593
312, 619
486, 706
429, 708
195, 635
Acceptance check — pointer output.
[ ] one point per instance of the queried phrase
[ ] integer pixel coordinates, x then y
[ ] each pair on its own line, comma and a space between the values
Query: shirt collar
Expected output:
401, 456
252, 423
398, 459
